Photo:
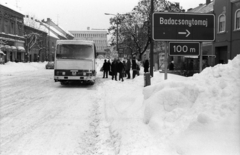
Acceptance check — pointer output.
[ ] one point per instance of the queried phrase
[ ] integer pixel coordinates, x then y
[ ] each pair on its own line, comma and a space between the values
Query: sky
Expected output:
75, 15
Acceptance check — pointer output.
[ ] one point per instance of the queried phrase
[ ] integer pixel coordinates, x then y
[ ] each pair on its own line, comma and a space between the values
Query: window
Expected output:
237, 20
221, 23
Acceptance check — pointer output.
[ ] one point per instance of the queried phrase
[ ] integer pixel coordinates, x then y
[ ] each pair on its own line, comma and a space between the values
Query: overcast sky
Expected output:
80, 14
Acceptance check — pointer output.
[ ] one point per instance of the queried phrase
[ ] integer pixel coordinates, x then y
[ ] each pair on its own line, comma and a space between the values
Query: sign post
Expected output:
166, 61
181, 27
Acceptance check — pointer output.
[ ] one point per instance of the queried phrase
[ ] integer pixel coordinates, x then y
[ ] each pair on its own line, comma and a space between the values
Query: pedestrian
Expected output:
124, 69
171, 65
108, 67
120, 70
127, 69
105, 69
114, 69
134, 68
146, 65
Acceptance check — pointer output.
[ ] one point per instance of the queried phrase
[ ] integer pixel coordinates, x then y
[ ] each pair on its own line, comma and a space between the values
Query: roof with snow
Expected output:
12, 7
66, 31
203, 8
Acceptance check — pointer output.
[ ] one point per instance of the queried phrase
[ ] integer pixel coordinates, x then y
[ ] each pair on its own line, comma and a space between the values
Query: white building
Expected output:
99, 36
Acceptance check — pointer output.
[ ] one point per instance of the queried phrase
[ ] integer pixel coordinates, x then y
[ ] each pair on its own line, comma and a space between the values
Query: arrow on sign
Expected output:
187, 32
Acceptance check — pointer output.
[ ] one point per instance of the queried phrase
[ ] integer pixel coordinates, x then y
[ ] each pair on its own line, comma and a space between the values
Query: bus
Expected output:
75, 61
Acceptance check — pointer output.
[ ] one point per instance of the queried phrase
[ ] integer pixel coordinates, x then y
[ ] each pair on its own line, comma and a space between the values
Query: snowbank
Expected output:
12, 67
198, 115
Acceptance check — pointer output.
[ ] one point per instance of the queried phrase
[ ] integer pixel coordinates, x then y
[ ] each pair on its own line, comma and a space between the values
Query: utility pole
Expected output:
151, 40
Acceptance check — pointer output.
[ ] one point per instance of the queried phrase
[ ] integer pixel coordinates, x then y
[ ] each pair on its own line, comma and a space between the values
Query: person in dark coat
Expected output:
114, 69
108, 67
124, 69
127, 68
120, 69
146, 66
134, 68
171, 66
105, 69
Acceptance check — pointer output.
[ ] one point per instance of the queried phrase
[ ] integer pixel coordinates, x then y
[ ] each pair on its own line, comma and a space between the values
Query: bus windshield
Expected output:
73, 51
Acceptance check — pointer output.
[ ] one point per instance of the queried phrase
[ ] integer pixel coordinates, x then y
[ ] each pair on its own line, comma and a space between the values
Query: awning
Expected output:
8, 48
14, 48
2, 47
20, 49
1, 52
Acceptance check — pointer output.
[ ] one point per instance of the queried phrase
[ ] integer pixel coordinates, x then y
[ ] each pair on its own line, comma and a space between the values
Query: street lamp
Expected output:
117, 27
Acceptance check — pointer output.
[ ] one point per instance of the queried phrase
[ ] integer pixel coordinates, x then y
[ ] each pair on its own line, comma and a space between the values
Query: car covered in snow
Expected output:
50, 65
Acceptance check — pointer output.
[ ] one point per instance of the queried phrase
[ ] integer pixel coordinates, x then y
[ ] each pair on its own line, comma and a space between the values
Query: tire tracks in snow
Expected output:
99, 139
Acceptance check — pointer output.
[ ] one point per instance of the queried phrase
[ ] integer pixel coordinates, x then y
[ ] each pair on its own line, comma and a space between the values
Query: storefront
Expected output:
13, 49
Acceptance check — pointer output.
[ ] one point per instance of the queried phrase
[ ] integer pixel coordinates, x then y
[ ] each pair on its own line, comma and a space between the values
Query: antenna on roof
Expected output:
57, 19
16, 3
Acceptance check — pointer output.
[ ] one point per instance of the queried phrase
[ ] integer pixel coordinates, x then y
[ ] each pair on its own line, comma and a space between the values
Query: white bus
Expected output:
75, 61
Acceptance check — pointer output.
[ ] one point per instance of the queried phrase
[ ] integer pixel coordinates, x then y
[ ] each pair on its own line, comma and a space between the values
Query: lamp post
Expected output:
117, 29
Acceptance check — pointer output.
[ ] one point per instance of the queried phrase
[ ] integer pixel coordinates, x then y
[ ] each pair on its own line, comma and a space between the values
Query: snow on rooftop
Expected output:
12, 7
58, 32
66, 31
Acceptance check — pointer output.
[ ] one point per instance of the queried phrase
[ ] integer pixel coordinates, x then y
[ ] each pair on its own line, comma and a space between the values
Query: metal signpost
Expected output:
180, 27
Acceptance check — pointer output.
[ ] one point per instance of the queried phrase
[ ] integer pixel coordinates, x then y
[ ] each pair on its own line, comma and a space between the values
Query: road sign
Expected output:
183, 27
184, 48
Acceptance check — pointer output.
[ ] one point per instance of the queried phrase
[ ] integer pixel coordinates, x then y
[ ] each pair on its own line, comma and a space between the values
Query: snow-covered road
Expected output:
195, 115
39, 116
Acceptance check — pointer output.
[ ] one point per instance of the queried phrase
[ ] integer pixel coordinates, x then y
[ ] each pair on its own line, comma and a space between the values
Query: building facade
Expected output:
98, 36
227, 43
12, 33
227, 30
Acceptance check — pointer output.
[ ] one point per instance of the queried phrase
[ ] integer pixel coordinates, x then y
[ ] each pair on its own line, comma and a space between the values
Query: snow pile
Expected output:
199, 115
12, 67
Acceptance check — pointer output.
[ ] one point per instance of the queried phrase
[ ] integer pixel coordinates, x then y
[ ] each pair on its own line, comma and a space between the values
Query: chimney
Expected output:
88, 28
208, 1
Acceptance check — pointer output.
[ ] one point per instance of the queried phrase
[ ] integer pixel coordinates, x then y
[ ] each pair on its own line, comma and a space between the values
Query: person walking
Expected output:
146, 66
171, 66
114, 69
105, 69
108, 68
134, 68
127, 69
124, 69
120, 70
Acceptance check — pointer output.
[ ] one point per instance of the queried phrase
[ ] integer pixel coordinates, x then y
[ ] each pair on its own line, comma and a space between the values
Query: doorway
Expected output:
221, 55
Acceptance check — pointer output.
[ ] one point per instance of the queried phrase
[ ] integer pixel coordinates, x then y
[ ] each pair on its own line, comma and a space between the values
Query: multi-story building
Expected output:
98, 36
227, 30
11, 33
227, 43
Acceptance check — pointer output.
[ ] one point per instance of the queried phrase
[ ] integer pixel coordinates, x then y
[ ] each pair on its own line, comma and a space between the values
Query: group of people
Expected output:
122, 69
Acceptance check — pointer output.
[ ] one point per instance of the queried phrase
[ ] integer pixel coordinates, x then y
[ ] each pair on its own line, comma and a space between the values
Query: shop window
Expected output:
237, 20
221, 23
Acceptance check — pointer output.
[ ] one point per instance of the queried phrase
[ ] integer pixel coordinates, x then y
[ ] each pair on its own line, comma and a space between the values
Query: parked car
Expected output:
50, 65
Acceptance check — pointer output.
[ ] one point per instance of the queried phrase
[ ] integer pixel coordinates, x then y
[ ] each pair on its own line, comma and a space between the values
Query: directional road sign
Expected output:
184, 48
183, 27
